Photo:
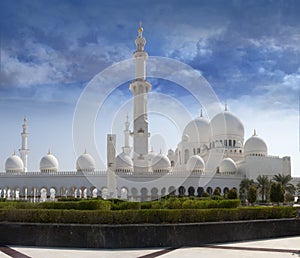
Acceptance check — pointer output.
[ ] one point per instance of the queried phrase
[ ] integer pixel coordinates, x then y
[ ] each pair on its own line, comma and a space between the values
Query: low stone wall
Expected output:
143, 235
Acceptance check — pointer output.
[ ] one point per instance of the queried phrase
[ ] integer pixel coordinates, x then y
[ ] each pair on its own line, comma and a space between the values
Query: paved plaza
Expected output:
279, 247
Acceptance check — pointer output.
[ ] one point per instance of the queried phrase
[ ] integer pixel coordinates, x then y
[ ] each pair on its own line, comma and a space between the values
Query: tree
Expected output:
263, 185
276, 192
232, 194
285, 180
252, 194
244, 187
217, 192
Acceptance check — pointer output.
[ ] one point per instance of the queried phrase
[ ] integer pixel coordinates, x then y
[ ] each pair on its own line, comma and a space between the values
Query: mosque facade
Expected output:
211, 154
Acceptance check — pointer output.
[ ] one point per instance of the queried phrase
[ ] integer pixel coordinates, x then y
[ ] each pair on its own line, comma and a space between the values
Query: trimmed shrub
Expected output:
127, 206
252, 194
172, 203
145, 216
205, 194
76, 205
232, 194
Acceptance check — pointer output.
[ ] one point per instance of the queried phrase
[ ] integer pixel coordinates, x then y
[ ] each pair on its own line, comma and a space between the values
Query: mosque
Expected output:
211, 154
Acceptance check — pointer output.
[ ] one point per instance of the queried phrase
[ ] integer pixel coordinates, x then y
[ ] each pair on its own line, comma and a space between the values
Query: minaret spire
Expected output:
226, 107
140, 88
126, 148
24, 151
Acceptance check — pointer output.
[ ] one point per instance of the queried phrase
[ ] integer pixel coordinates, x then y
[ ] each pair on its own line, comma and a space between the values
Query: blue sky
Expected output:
248, 51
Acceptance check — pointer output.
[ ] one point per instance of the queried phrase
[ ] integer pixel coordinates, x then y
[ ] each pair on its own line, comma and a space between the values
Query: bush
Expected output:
217, 197
69, 199
205, 194
232, 194
127, 206
276, 192
288, 197
76, 205
252, 194
172, 203
217, 192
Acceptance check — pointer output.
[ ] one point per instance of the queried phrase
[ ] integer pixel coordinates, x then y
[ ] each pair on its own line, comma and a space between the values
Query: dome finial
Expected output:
140, 30
201, 112
226, 107
254, 133
49, 152
14, 154
85, 152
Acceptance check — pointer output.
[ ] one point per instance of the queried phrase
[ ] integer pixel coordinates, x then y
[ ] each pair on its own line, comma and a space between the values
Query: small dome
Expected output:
226, 123
161, 163
185, 138
85, 163
195, 164
48, 163
227, 166
14, 164
151, 155
255, 146
124, 163
198, 130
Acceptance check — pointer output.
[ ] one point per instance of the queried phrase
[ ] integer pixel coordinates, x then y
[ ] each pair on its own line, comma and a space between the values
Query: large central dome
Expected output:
226, 123
198, 130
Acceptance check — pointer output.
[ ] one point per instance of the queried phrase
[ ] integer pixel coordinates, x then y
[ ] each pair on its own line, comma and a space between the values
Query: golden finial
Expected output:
140, 29
49, 152
254, 133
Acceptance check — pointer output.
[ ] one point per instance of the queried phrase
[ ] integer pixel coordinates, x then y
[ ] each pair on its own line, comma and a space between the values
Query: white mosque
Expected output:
211, 154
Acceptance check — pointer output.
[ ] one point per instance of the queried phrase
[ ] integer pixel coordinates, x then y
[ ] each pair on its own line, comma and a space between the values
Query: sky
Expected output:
248, 51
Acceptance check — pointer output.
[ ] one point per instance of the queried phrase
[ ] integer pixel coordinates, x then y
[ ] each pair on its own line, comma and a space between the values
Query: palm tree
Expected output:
285, 182
263, 185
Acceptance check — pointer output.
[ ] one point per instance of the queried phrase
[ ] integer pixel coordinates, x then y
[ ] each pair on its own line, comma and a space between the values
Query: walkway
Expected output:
280, 247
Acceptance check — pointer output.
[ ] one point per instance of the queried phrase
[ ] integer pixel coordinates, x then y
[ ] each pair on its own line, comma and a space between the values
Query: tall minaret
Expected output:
139, 89
126, 147
111, 166
24, 151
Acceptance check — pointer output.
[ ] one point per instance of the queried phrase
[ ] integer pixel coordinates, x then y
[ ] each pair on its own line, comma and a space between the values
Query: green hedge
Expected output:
186, 203
115, 204
144, 215
76, 205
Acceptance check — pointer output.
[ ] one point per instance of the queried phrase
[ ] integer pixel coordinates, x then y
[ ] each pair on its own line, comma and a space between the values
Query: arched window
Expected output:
230, 142
191, 191
181, 191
